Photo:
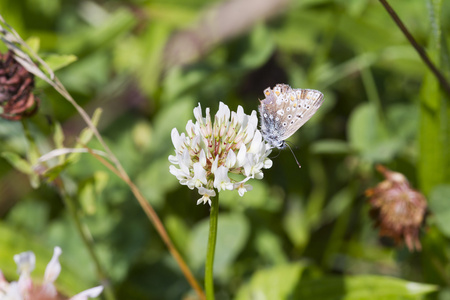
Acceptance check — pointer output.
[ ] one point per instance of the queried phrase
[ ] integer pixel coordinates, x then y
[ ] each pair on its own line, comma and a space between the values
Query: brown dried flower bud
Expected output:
16, 86
398, 210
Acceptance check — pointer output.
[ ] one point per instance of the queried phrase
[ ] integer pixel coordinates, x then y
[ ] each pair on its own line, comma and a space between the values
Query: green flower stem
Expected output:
213, 218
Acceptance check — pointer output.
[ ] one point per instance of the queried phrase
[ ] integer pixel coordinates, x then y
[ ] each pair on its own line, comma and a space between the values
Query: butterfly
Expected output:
284, 111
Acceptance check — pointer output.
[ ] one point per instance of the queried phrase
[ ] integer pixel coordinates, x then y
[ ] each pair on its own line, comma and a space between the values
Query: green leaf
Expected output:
261, 46
101, 179
56, 61
54, 171
153, 45
90, 38
18, 162
58, 136
87, 198
87, 133
274, 283
179, 231
34, 43
362, 287
58, 139
439, 205
368, 135
295, 223
155, 183
233, 231
269, 247
31, 216
90, 190
338, 204
364, 129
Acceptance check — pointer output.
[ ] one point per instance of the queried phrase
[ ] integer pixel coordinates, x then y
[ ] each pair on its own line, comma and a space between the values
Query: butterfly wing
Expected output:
298, 108
285, 110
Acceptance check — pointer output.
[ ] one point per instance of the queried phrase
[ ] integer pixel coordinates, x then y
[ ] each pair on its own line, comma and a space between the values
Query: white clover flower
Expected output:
208, 152
25, 289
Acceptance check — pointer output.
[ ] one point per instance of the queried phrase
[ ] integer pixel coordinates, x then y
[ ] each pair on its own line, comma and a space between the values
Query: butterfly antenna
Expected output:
279, 152
294, 155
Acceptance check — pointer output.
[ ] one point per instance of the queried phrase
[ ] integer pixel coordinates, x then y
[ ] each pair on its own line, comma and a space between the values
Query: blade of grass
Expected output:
434, 139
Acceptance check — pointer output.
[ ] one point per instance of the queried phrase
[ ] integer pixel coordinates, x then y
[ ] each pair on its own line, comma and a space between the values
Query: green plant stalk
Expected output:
70, 204
213, 218
372, 92
434, 138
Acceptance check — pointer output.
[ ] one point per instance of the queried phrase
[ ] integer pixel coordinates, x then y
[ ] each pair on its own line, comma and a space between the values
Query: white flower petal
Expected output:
198, 114
256, 143
243, 188
231, 159
25, 261
190, 129
206, 195
13, 293
202, 158
221, 179
223, 114
214, 165
209, 151
267, 163
90, 293
54, 267
241, 156
173, 159
199, 175
176, 139
251, 129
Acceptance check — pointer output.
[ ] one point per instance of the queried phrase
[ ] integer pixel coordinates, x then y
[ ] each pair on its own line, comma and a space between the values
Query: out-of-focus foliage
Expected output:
297, 227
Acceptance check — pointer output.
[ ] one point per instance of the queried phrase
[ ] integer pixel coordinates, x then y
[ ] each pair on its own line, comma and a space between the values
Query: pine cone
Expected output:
16, 87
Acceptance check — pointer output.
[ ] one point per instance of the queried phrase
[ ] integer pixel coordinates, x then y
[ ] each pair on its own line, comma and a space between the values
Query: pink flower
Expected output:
25, 289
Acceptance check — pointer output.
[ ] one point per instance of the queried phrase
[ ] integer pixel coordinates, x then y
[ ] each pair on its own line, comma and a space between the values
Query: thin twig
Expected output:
442, 80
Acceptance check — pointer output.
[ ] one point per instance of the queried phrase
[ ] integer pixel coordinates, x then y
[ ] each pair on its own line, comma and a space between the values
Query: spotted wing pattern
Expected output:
285, 110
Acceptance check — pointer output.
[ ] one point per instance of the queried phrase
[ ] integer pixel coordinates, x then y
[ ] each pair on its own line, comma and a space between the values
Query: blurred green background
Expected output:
148, 63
